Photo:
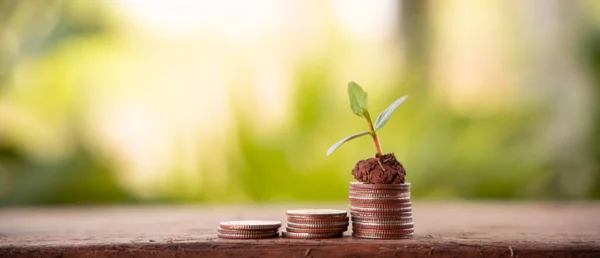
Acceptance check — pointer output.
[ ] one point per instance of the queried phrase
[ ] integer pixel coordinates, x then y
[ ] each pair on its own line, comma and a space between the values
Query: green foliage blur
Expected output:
95, 110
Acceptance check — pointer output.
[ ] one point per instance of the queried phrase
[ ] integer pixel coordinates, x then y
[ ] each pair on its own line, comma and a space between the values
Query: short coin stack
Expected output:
381, 211
248, 229
316, 223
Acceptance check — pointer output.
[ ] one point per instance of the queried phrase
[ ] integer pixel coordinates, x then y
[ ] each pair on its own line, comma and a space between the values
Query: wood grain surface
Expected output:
443, 229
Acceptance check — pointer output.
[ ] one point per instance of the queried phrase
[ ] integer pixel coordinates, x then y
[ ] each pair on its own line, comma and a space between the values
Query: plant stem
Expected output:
375, 138
377, 144
373, 133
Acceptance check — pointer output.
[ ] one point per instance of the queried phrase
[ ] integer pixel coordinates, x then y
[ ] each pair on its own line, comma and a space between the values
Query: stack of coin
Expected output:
381, 211
316, 223
248, 229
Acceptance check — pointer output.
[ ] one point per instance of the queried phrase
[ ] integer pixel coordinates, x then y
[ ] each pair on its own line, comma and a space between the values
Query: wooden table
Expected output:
443, 229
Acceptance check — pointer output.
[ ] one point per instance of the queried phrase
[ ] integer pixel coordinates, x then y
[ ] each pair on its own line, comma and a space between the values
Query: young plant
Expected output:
358, 103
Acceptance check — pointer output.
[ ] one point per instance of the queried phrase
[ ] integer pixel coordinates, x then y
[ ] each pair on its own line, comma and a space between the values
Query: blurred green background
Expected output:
108, 101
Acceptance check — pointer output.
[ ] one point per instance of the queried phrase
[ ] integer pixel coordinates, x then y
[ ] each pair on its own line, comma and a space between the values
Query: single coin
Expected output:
311, 236
381, 216
382, 226
361, 185
316, 230
377, 190
391, 220
317, 213
303, 220
382, 213
385, 205
401, 200
330, 225
246, 231
381, 209
354, 192
380, 206
380, 220
365, 214
384, 232
379, 195
378, 200
252, 236
250, 224
383, 186
382, 236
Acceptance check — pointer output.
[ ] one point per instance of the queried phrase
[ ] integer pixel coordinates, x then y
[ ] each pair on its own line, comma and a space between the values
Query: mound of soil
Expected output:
370, 171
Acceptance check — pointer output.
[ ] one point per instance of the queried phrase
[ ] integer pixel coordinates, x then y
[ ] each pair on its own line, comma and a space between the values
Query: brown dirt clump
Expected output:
369, 170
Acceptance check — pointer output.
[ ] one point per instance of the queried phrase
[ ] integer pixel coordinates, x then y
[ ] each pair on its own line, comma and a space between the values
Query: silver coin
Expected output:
383, 205
380, 220
379, 195
246, 236
380, 210
311, 236
317, 230
246, 231
250, 224
379, 200
317, 213
361, 185
377, 225
330, 225
304, 220
383, 236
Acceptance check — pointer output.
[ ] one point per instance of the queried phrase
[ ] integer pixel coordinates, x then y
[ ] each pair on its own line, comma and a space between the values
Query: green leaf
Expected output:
358, 98
387, 113
365, 114
342, 141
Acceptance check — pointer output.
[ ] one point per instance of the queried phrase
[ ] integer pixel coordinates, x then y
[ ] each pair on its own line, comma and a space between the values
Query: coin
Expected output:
316, 213
246, 231
383, 231
316, 230
379, 195
311, 236
361, 185
382, 220
380, 210
360, 211
303, 220
382, 217
382, 226
386, 205
382, 213
382, 236
355, 190
378, 190
250, 224
248, 236
379, 200
329, 225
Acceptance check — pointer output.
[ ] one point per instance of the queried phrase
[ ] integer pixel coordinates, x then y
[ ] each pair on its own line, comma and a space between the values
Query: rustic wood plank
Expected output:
455, 229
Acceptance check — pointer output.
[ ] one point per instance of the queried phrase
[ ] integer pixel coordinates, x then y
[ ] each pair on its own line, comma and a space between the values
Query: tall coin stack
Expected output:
381, 211
316, 223
248, 229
